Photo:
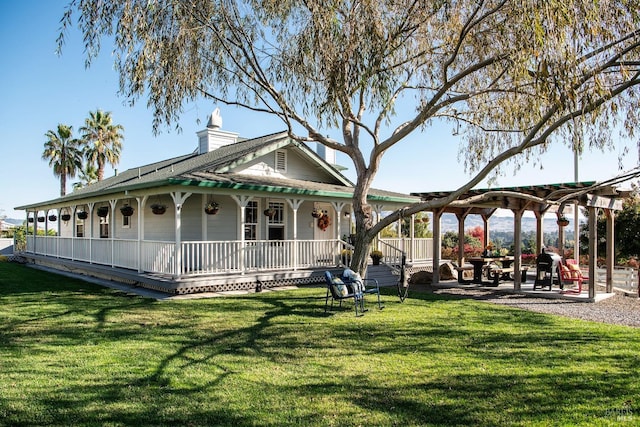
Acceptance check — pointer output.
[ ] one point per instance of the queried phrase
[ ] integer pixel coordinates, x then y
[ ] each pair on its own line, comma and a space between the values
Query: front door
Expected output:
325, 226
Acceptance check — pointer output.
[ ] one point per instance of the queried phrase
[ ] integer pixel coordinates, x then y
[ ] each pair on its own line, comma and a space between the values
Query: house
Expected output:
281, 212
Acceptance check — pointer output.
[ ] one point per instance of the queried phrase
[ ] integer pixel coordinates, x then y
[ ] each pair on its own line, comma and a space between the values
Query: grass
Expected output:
72, 353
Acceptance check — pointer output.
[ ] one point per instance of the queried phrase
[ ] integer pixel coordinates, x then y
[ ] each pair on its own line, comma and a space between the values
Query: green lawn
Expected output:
72, 353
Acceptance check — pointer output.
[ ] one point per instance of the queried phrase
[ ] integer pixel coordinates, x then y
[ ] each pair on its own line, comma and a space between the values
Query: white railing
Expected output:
624, 278
192, 258
417, 249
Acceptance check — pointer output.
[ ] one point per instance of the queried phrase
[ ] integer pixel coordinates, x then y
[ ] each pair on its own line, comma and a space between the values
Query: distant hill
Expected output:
499, 223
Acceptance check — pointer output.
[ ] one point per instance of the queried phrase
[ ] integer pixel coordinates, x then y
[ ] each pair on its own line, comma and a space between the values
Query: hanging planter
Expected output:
40, 219
30, 219
270, 212
563, 221
126, 210
53, 218
65, 217
211, 208
83, 215
102, 211
158, 209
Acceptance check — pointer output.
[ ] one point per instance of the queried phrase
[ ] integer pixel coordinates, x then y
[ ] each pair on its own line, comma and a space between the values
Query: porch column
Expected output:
611, 215
517, 248
338, 206
242, 202
378, 209
437, 243
140, 233
112, 230
90, 205
295, 204
178, 199
412, 235
593, 250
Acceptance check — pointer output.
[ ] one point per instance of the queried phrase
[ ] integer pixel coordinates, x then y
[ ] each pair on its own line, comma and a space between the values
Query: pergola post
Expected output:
610, 214
593, 250
437, 243
517, 248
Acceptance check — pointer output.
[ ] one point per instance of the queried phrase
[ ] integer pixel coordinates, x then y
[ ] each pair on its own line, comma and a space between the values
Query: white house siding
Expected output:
297, 168
224, 224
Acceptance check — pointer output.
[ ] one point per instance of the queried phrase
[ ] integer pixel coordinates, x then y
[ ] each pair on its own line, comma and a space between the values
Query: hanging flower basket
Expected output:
30, 219
53, 218
317, 213
563, 221
126, 210
40, 219
324, 222
82, 215
211, 208
270, 212
65, 217
102, 211
158, 209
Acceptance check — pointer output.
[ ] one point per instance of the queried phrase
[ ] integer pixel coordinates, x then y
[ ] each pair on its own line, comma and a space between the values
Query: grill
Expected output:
546, 265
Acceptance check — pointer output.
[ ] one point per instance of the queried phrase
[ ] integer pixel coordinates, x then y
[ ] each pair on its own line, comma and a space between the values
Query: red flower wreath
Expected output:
324, 222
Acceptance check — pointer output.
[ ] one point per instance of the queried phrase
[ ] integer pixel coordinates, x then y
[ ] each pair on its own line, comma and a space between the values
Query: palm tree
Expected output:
63, 153
103, 140
88, 175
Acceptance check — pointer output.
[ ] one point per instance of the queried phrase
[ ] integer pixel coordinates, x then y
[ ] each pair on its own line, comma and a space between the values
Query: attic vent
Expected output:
281, 161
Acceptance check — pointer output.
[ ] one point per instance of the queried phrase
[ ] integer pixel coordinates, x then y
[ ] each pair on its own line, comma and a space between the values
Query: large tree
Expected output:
515, 76
103, 140
63, 153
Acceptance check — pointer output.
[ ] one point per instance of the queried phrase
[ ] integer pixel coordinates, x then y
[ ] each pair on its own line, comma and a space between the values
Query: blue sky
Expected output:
40, 90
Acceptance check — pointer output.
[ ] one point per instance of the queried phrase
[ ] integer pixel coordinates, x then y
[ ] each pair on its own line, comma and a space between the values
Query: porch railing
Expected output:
192, 258
417, 249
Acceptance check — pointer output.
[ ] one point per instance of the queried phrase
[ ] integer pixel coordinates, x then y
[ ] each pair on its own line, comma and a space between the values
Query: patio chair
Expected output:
338, 291
571, 273
366, 286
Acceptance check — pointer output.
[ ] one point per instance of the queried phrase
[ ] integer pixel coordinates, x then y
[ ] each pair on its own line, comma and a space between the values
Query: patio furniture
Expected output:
571, 273
366, 286
339, 291
546, 264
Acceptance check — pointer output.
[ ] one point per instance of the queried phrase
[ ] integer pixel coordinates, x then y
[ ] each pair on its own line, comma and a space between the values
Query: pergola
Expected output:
539, 199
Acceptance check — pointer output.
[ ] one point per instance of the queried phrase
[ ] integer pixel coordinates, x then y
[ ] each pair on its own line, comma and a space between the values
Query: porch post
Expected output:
337, 206
242, 202
611, 215
178, 199
412, 235
112, 230
140, 235
294, 204
593, 250
90, 205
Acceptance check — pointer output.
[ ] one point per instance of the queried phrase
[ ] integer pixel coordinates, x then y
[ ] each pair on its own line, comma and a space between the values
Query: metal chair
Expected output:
366, 286
339, 291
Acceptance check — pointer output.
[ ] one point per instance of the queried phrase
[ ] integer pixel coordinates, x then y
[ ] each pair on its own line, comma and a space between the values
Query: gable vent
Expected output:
281, 161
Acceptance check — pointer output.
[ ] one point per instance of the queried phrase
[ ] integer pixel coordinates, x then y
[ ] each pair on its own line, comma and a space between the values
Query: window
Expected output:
126, 221
80, 229
276, 221
281, 161
251, 221
104, 228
